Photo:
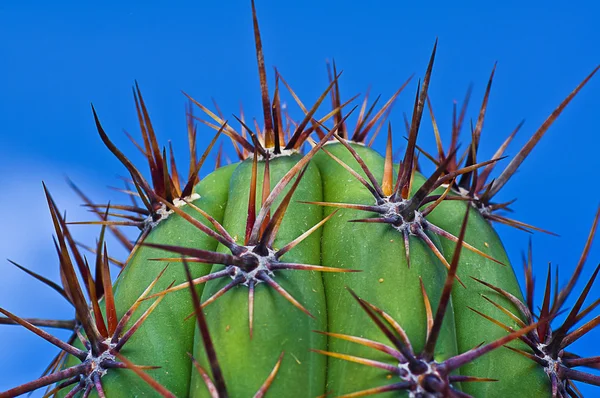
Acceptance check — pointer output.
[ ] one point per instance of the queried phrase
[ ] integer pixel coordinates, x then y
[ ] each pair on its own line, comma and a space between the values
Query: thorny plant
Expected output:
256, 261
102, 336
165, 184
93, 286
419, 373
271, 140
393, 202
216, 385
363, 124
109, 336
549, 346
218, 388
474, 185
92, 282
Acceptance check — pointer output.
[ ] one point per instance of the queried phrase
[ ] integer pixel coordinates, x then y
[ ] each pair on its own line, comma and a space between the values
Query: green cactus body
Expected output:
385, 281
165, 338
471, 328
285, 297
278, 326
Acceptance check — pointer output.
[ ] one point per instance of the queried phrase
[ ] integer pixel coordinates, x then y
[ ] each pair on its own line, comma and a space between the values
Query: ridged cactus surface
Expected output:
314, 265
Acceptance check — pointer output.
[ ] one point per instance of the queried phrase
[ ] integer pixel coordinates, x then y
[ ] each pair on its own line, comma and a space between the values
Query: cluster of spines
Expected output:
549, 345
255, 261
393, 201
474, 186
103, 336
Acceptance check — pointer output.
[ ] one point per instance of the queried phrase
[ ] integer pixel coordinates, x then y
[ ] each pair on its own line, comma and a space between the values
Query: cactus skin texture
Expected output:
312, 270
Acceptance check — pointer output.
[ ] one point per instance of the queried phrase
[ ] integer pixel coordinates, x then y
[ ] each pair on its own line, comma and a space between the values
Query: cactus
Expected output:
312, 266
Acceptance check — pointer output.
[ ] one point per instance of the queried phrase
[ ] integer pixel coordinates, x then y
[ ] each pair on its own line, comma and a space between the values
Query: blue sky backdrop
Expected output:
57, 57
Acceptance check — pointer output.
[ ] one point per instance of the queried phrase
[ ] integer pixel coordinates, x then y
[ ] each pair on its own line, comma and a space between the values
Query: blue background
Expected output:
58, 57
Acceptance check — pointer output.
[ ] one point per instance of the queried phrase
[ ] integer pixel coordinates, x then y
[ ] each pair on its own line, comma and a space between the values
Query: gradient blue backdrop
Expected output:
56, 58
